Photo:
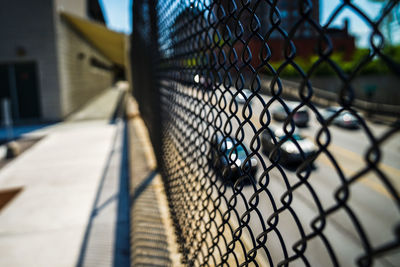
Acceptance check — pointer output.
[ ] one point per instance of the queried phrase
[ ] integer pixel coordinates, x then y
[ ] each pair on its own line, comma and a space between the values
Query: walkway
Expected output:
74, 201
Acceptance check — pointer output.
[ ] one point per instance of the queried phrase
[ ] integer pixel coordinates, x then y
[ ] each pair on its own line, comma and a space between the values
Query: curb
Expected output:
152, 234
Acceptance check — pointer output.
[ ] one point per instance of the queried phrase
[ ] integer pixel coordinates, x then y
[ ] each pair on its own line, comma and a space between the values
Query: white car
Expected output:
289, 152
243, 96
344, 119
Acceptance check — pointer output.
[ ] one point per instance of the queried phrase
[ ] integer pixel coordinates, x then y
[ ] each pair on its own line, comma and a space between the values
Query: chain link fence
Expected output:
264, 118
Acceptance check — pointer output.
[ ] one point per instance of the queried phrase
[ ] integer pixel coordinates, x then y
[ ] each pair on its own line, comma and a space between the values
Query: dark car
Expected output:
289, 152
344, 119
300, 118
231, 158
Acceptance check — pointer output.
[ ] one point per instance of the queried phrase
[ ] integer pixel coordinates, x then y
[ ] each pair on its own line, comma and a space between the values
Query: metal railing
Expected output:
258, 170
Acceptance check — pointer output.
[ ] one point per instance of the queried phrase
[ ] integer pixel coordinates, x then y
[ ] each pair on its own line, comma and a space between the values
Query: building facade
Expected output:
277, 25
48, 69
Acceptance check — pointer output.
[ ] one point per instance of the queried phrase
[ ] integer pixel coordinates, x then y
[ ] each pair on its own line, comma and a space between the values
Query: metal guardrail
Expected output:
251, 179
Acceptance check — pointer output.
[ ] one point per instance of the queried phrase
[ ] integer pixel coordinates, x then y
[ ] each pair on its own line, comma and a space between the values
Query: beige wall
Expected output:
75, 7
80, 81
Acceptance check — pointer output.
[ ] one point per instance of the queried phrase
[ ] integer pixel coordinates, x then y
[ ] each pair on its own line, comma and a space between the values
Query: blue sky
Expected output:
358, 26
118, 16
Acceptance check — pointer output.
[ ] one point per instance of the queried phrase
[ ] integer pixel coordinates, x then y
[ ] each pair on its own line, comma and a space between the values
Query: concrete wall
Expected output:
29, 25
75, 7
80, 81
386, 87
385, 100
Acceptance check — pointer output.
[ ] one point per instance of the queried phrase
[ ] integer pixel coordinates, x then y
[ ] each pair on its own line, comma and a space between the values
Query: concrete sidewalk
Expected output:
69, 207
89, 194
45, 224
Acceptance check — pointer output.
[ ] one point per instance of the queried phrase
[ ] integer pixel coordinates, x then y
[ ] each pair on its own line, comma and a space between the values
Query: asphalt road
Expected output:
369, 214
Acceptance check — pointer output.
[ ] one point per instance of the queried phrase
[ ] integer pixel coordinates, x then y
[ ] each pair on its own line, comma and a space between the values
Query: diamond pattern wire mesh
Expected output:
212, 77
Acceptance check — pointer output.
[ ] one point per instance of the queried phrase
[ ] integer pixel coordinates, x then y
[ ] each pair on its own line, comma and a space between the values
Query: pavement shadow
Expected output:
142, 186
121, 246
122, 231
19, 130
119, 111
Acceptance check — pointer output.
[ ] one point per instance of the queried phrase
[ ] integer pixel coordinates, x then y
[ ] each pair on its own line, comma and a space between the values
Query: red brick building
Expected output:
290, 30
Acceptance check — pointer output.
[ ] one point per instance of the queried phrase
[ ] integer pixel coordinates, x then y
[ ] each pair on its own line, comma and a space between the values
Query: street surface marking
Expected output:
355, 162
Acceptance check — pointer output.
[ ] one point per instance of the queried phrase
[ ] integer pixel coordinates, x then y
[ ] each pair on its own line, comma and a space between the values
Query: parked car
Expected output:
243, 96
300, 118
289, 152
229, 156
344, 119
202, 80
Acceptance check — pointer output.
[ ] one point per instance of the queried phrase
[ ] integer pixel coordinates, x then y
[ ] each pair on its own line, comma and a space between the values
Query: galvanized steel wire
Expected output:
190, 62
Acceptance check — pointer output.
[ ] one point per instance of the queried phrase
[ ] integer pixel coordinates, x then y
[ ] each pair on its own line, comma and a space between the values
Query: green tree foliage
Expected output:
313, 66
